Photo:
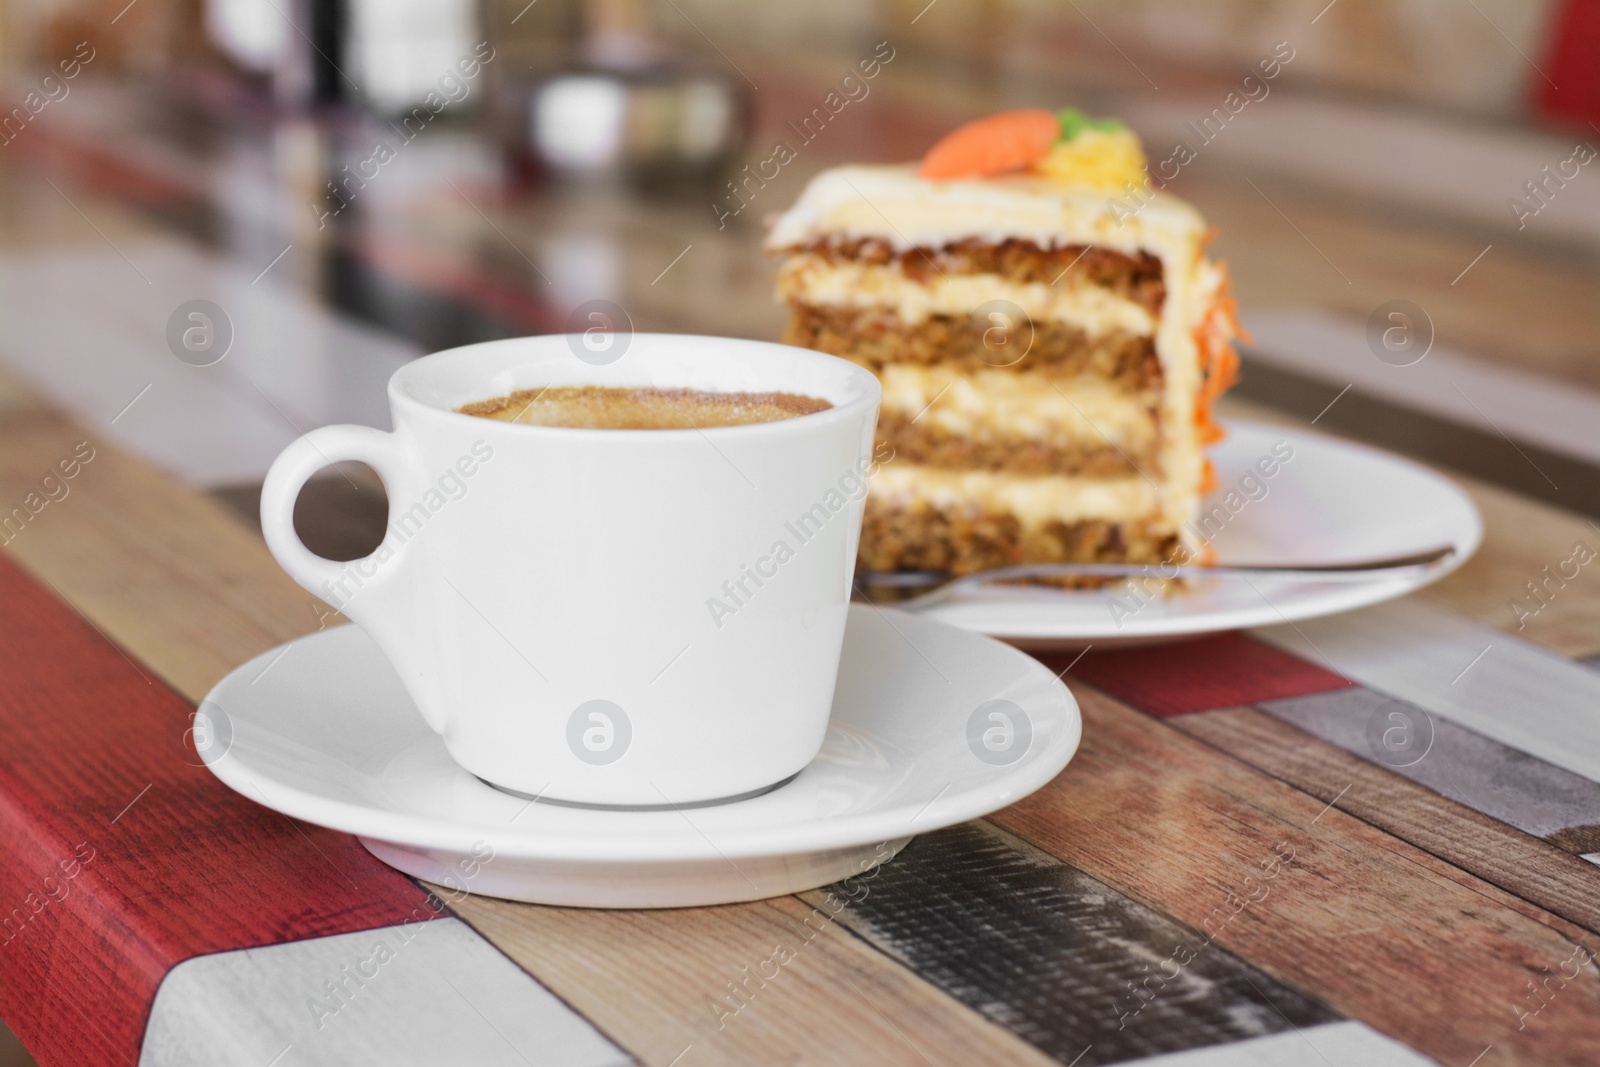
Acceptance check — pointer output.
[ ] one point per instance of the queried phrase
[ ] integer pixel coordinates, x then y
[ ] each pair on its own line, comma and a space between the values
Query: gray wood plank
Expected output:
1084, 973
1501, 782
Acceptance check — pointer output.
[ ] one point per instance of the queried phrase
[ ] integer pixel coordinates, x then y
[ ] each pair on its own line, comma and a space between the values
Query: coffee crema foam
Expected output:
602, 407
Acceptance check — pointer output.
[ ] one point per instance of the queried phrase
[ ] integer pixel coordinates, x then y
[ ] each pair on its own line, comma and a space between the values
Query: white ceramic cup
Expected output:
615, 617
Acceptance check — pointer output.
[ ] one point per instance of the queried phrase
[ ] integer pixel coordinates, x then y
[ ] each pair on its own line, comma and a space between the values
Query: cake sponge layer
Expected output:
904, 535
876, 337
928, 444
1135, 278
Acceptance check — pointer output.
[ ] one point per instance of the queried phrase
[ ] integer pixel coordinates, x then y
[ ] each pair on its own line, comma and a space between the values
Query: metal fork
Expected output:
941, 585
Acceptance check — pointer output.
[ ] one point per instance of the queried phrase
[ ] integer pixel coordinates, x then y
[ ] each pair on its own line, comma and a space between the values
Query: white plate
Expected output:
321, 729
1332, 501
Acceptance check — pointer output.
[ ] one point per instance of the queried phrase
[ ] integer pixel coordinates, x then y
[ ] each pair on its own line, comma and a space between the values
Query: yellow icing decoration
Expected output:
1107, 159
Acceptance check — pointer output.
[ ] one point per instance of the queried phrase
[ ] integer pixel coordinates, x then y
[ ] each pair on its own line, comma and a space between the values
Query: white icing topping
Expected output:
892, 203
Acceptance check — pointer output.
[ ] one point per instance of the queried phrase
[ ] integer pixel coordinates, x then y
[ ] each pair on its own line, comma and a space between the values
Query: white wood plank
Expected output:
1488, 681
430, 992
1346, 1044
94, 339
1558, 415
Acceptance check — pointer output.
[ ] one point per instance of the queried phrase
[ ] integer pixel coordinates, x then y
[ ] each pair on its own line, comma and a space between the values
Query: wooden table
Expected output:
1227, 866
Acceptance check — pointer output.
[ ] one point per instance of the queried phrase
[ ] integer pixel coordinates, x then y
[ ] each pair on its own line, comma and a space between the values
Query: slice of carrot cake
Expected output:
1049, 333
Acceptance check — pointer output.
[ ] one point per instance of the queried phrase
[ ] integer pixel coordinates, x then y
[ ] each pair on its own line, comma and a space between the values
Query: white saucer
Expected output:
321, 729
1331, 501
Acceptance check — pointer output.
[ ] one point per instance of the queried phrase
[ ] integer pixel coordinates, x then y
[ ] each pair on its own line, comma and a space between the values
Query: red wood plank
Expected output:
94, 168
1201, 675
121, 857
1571, 92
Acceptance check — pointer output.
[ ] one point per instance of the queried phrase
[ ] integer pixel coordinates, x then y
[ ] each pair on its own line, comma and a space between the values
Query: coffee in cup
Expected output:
600, 407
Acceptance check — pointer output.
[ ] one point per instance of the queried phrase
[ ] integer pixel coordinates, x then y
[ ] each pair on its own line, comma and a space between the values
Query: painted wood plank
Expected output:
124, 855
1525, 469
1335, 1043
434, 993
1062, 959
1513, 787
1522, 538
1378, 930
1559, 416
1343, 1044
776, 981
290, 364
178, 582
1493, 683
1535, 870
1198, 675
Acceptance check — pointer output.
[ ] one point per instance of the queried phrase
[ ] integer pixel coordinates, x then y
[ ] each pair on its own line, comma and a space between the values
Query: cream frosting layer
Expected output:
892, 203
1010, 404
1034, 501
1097, 312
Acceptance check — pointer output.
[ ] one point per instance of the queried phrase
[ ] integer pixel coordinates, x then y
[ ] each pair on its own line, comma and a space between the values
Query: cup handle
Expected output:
376, 603
288, 475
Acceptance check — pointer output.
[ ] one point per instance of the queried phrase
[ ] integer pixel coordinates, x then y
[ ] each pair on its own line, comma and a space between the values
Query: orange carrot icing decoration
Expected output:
999, 144
1066, 146
1219, 362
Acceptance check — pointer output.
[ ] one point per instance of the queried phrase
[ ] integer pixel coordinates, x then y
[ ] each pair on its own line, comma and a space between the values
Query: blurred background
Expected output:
351, 183
348, 184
